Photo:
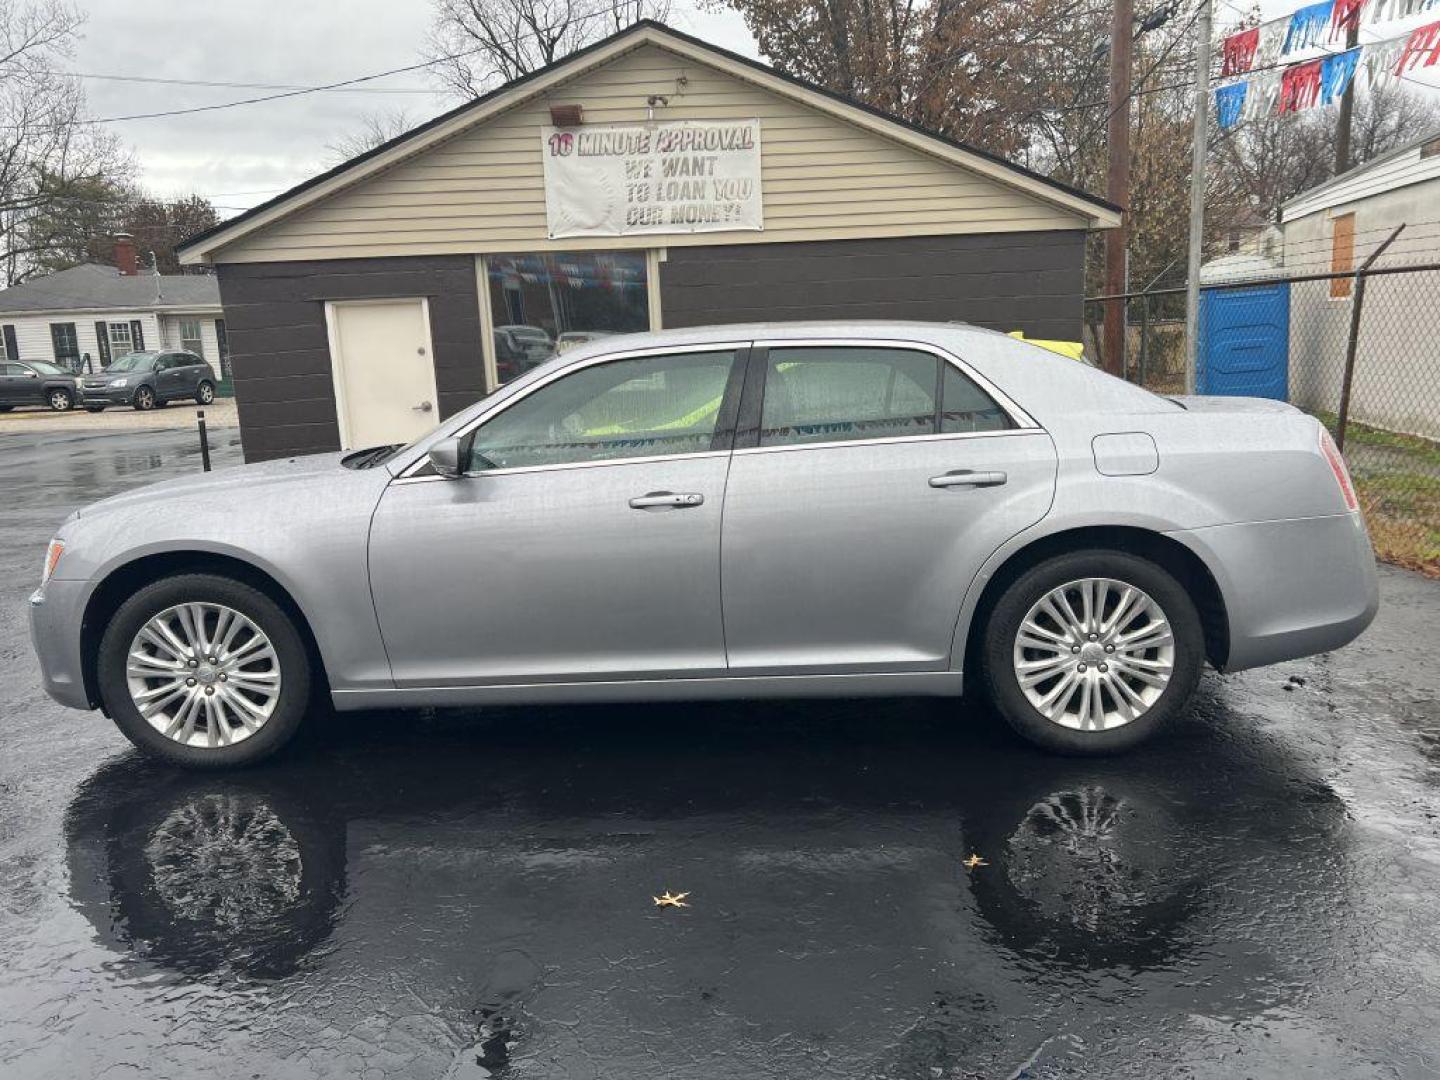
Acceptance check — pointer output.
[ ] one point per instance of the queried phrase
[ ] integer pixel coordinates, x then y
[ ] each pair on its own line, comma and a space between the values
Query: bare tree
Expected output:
376, 129
52, 161
484, 42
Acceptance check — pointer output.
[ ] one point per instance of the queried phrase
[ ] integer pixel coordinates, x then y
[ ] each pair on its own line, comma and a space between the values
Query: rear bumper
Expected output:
57, 610
1291, 588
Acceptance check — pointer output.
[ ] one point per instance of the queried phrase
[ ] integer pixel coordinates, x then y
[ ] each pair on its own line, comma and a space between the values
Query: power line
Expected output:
237, 85
340, 84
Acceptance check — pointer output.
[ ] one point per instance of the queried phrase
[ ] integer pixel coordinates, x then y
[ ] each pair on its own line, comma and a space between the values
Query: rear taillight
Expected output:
1337, 466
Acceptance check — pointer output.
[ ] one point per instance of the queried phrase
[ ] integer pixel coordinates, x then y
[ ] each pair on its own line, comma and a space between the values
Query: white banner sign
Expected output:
652, 178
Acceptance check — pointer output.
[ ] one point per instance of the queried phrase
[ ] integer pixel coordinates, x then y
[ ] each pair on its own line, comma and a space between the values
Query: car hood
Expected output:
254, 479
111, 376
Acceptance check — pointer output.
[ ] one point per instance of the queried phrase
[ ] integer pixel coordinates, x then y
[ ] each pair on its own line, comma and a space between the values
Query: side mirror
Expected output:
445, 458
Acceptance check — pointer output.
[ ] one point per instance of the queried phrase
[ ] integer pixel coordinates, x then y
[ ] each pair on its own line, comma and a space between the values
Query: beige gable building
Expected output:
649, 181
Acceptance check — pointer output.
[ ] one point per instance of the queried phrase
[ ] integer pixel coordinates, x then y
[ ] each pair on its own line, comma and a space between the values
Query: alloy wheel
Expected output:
59, 400
1094, 654
207, 394
203, 675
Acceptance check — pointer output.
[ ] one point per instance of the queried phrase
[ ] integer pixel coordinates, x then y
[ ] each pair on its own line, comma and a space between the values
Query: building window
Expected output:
120, 340
190, 339
544, 304
66, 345
1342, 254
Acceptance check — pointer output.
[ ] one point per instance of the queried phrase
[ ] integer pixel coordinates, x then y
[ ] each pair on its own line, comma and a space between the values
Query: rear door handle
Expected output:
968, 478
667, 500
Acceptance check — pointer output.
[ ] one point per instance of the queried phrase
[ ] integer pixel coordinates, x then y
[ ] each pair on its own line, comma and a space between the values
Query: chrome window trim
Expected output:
566, 466
886, 440
733, 347
1018, 416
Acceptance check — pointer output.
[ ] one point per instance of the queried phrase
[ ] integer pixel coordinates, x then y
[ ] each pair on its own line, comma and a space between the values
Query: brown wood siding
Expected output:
280, 354
1023, 281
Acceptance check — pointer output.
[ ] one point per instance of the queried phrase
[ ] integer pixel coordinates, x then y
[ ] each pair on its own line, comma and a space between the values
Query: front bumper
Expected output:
1291, 588
57, 610
104, 395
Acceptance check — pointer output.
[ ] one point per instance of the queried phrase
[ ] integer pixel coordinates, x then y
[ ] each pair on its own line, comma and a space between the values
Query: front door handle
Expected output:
667, 500
968, 478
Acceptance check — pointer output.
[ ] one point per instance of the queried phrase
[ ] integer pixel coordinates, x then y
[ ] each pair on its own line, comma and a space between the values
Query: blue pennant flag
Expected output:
1229, 101
1308, 26
1336, 73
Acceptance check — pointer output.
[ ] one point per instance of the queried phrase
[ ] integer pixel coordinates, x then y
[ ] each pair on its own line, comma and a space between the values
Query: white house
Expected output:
102, 312
1332, 229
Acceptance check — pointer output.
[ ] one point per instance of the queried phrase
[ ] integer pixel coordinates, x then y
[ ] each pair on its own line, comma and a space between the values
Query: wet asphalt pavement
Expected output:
465, 894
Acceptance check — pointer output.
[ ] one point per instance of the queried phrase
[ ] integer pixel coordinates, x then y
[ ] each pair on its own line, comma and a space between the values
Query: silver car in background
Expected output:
743, 511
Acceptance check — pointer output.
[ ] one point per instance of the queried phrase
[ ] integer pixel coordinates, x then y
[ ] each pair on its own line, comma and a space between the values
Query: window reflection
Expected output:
544, 304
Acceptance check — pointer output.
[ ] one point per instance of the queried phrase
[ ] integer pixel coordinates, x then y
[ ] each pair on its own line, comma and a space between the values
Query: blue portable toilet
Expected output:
1244, 346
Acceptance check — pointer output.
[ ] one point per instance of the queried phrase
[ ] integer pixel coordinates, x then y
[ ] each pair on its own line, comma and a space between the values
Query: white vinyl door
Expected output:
384, 371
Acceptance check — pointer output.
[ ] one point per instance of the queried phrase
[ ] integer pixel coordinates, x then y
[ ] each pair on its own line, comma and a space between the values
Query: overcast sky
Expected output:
242, 156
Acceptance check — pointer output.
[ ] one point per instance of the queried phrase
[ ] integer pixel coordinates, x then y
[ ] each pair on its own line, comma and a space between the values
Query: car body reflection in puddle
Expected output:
498, 867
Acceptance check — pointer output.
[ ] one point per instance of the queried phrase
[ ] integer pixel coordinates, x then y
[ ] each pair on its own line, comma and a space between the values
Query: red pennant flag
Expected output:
1422, 48
1300, 86
1238, 51
1343, 15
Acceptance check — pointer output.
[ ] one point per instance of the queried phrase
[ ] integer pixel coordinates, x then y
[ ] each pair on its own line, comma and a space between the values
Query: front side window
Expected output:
190, 338
844, 393
643, 406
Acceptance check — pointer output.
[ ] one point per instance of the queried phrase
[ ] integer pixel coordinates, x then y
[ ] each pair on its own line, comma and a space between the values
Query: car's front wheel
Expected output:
60, 399
144, 399
205, 393
204, 671
1092, 652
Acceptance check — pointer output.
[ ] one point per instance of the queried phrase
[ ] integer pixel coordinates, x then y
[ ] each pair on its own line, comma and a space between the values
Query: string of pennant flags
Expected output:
1273, 87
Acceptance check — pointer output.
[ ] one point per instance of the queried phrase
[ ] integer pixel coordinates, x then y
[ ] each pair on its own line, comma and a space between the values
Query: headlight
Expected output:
52, 559
121, 382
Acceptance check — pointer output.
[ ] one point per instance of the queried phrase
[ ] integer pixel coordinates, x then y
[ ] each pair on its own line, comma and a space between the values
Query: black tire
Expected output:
60, 400
1002, 683
205, 393
144, 399
289, 647
94, 408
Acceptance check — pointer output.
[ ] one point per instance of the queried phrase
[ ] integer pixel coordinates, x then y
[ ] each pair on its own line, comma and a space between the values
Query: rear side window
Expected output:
843, 393
967, 407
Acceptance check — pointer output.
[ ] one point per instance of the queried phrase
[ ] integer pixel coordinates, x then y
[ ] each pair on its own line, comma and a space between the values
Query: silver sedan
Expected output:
746, 511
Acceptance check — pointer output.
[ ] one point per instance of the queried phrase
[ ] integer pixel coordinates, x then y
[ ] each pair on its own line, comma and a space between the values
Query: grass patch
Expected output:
1425, 451
1402, 512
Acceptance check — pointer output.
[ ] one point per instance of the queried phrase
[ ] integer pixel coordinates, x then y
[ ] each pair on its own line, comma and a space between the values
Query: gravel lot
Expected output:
180, 414
468, 894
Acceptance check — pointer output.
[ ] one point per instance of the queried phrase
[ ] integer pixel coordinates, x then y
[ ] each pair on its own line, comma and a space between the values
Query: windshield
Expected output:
134, 361
47, 369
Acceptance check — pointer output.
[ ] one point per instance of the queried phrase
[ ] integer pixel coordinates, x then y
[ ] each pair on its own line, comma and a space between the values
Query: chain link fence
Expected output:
1360, 351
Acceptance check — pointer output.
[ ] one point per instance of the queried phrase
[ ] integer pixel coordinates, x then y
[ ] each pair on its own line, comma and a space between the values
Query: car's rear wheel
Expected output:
204, 671
1092, 652
60, 399
205, 393
144, 399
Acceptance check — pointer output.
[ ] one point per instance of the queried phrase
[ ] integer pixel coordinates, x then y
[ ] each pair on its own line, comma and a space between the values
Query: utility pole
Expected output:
1117, 181
1347, 103
1197, 193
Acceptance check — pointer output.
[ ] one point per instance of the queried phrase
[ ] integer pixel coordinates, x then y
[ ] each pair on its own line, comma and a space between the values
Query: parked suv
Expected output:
148, 379
35, 383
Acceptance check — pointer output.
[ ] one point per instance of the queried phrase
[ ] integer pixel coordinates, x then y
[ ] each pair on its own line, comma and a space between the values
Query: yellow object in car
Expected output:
1073, 349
